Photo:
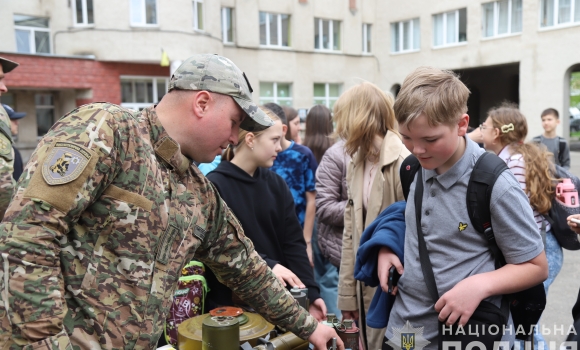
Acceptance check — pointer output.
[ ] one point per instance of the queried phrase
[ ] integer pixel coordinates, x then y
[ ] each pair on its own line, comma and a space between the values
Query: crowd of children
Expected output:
309, 210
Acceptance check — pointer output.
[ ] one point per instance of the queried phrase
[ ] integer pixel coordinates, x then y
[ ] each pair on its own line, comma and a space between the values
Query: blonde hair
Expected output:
361, 112
439, 94
513, 129
230, 151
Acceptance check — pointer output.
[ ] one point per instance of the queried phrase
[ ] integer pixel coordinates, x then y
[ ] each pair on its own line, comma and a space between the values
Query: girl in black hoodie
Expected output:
262, 202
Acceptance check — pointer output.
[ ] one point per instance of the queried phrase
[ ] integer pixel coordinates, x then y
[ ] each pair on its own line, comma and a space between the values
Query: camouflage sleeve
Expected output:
79, 155
231, 255
6, 162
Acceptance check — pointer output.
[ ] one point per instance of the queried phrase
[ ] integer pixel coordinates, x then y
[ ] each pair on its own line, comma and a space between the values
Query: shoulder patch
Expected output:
5, 146
65, 162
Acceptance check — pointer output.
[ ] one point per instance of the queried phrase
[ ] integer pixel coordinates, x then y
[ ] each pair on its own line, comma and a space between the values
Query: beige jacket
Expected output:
386, 189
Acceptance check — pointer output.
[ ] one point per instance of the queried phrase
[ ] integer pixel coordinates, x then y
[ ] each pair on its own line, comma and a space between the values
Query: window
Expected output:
280, 93
326, 94
366, 38
559, 12
450, 28
198, 14
143, 12
32, 34
326, 34
405, 36
228, 25
502, 17
141, 92
83, 12
274, 29
44, 113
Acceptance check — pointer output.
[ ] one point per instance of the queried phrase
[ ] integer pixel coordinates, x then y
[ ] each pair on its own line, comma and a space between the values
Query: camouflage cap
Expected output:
7, 65
220, 75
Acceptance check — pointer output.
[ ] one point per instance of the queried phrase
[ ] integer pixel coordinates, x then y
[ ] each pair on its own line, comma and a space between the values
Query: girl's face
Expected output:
489, 136
294, 128
267, 145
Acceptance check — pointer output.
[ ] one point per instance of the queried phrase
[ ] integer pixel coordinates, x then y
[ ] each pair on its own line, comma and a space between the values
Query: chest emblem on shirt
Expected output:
64, 163
462, 226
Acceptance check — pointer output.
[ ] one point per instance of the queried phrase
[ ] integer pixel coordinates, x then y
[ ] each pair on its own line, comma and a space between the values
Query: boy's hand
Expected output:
349, 315
574, 226
385, 260
322, 335
318, 310
459, 303
287, 277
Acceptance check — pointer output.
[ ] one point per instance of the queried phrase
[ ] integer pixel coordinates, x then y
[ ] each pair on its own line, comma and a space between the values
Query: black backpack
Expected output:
526, 306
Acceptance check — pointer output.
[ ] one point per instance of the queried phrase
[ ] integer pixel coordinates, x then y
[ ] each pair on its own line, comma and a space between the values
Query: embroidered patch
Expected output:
462, 226
64, 163
5, 145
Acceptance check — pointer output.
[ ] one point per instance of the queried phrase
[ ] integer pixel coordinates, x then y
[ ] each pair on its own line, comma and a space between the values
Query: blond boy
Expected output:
431, 110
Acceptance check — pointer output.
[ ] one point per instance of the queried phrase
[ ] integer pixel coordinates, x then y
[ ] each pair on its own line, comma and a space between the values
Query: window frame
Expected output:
327, 98
279, 33
140, 78
401, 25
196, 15
367, 29
496, 13
144, 14
46, 107
318, 22
224, 27
555, 16
446, 44
32, 38
85, 14
275, 98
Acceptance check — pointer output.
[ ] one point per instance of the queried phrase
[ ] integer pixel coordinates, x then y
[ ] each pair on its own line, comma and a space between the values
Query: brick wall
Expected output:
103, 78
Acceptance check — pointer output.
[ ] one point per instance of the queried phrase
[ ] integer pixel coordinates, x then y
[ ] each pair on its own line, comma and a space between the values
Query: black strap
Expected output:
561, 148
483, 176
407, 173
426, 266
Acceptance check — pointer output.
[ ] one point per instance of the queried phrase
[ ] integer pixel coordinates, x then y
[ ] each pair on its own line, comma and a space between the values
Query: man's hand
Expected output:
349, 315
385, 260
287, 276
318, 310
574, 226
322, 335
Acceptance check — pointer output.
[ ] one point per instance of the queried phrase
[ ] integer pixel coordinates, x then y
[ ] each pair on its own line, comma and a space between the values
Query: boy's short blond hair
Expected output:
437, 93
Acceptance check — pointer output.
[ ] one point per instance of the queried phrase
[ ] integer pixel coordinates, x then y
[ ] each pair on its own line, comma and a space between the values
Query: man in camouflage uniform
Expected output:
110, 208
6, 152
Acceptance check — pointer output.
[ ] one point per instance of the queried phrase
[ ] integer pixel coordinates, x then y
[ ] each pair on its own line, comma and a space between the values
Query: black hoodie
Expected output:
264, 206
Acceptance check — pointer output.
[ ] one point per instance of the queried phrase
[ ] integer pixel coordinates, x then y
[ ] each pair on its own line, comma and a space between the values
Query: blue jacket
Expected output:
387, 230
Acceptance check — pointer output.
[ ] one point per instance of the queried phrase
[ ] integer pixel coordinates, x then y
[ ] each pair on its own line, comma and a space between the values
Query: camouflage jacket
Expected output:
107, 213
6, 162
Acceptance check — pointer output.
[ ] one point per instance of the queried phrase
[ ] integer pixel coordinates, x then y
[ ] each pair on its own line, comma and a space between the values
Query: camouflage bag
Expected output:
188, 300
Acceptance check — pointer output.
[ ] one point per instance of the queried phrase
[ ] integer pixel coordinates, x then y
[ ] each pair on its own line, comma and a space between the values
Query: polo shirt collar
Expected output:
452, 176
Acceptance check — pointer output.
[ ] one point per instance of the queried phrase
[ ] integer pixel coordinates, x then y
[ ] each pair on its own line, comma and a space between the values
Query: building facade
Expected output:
295, 52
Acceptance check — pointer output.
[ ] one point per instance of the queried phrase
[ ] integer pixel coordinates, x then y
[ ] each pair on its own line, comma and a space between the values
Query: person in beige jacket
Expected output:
365, 119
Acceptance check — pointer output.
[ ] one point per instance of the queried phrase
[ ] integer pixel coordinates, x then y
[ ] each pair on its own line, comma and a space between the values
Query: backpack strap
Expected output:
561, 148
407, 173
483, 176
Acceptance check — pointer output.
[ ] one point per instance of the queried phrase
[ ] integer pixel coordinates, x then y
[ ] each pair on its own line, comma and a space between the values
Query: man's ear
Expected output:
463, 124
284, 128
201, 102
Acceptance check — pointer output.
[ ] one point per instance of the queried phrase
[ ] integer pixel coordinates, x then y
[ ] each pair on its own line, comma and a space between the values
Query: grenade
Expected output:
220, 333
300, 297
349, 333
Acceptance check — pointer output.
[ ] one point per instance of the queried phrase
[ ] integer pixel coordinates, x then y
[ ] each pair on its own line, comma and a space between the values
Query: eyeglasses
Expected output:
482, 127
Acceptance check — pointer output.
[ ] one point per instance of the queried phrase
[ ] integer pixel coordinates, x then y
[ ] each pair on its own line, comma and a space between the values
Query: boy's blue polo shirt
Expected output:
458, 253
297, 166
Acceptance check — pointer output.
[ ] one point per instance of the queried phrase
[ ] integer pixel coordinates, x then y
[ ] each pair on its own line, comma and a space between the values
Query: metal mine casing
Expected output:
251, 327
220, 333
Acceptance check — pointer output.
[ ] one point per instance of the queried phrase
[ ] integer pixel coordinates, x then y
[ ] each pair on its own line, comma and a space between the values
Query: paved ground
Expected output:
564, 290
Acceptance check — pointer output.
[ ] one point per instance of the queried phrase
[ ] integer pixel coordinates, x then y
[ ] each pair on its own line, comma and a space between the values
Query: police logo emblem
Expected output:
408, 338
65, 163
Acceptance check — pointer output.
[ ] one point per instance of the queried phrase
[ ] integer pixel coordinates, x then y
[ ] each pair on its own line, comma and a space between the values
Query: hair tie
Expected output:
521, 142
507, 128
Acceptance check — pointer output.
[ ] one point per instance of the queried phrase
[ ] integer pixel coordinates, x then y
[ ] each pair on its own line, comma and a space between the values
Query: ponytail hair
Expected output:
229, 153
539, 170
